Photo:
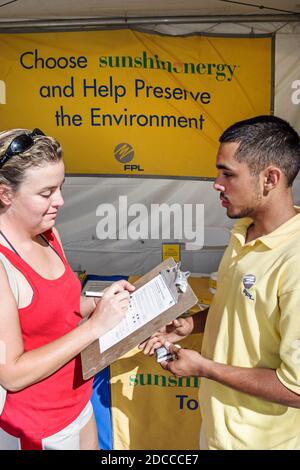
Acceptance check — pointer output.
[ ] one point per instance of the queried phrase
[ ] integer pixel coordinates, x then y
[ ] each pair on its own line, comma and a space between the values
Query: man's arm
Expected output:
259, 382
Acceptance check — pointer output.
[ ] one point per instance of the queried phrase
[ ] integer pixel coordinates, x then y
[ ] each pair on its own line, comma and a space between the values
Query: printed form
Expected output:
146, 303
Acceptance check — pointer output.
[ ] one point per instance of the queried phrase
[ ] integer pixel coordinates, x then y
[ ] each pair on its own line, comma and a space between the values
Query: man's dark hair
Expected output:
264, 141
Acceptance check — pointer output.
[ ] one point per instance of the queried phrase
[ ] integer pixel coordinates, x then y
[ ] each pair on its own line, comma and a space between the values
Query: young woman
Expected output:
47, 404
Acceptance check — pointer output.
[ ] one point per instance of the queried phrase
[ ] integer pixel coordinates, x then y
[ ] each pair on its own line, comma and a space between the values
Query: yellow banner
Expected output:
130, 103
151, 408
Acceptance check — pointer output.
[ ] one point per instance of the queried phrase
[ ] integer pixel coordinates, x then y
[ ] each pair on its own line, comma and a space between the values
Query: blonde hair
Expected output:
45, 149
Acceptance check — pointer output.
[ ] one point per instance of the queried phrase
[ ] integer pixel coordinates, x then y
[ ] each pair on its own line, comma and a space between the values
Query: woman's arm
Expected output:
18, 369
87, 305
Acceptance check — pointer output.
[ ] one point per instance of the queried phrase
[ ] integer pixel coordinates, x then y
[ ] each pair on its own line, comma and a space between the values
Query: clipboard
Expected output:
94, 361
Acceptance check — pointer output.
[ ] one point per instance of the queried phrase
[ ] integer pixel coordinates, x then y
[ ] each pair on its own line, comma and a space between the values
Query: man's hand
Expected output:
186, 363
177, 330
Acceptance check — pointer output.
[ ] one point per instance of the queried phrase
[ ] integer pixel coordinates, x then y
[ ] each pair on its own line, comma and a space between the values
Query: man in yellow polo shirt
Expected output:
250, 360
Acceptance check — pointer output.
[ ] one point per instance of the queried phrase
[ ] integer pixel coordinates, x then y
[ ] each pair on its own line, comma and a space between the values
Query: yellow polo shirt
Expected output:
254, 321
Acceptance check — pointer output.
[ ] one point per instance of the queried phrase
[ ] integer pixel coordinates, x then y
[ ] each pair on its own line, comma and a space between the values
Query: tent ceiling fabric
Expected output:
30, 9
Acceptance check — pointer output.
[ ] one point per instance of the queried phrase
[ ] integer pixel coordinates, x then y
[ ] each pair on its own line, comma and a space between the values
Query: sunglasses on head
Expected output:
20, 144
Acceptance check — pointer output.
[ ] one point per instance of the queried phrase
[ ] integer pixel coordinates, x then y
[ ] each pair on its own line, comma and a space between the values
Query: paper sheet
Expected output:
146, 303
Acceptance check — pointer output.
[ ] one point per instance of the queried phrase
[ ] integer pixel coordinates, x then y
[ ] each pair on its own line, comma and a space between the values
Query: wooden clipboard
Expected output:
93, 361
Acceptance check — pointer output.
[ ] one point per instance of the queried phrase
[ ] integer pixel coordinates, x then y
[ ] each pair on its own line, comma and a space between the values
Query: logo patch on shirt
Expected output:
248, 282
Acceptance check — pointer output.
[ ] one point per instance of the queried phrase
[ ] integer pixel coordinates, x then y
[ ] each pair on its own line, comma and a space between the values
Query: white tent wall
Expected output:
78, 219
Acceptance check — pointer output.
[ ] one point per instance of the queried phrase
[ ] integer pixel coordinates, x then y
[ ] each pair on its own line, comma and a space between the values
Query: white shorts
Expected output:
202, 440
66, 439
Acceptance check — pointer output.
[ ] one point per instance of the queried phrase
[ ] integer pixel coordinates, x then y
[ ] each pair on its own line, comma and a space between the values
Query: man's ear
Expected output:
272, 176
5, 195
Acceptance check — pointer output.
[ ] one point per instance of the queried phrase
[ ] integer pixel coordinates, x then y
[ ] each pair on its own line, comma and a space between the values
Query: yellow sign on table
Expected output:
129, 103
171, 250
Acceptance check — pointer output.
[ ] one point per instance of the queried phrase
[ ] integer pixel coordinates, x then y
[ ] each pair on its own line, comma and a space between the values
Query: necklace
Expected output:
8, 242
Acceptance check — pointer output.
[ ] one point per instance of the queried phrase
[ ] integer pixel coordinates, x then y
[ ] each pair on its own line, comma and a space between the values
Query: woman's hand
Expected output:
175, 331
112, 308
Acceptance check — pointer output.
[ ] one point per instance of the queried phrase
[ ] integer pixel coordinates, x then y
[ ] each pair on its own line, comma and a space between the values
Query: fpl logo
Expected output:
2, 92
248, 282
124, 153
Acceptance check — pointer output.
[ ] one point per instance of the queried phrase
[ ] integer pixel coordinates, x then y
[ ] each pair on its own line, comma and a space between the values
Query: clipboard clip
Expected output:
176, 280
181, 278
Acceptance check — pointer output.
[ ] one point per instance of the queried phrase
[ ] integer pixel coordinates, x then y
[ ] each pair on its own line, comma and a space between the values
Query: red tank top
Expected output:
47, 407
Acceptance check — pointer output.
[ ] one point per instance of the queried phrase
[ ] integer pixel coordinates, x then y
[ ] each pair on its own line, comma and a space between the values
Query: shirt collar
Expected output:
273, 239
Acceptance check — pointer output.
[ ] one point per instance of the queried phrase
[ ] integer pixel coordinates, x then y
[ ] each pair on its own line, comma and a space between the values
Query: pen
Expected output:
91, 293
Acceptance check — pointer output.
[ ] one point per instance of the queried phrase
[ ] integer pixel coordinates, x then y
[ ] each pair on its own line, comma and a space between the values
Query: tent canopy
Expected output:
172, 10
